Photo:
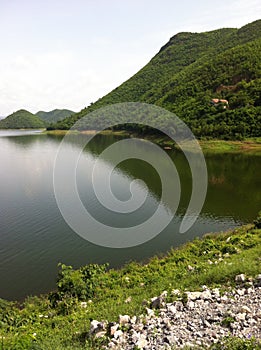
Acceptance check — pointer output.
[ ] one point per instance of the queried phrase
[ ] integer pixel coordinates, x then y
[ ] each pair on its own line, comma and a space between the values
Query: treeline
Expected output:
22, 119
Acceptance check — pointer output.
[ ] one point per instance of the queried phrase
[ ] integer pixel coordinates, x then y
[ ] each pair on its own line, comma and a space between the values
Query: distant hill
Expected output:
193, 69
55, 115
22, 119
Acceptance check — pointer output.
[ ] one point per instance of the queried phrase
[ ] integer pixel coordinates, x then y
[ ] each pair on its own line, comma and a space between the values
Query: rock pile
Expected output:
195, 319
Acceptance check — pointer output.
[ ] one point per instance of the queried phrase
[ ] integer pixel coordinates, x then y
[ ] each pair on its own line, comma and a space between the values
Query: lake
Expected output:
34, 236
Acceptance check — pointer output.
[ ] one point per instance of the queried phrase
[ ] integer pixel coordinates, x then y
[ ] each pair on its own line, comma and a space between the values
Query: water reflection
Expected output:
34, 236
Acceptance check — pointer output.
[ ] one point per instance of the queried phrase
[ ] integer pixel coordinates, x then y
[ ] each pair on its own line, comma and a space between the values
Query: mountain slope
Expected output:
191, 70
55, 115
21, 119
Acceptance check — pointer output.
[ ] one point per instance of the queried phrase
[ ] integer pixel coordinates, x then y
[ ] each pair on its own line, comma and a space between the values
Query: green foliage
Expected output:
55, 115
22, 119
257, 222
191, 70
232, 343
74, 285
61, 322
227, 321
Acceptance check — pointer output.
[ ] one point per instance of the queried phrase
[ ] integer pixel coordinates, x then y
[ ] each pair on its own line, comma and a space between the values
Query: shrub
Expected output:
76, 285
257, 222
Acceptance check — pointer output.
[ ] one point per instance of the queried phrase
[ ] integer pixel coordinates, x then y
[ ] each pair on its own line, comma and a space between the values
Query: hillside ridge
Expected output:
187, 74
21, 119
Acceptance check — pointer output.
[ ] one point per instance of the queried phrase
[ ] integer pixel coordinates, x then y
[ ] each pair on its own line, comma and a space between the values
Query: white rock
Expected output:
133, 320
114, 329
83, 304
206, 295
128, 300
175, 292
258, 280
190, 304
241, 317
250, 290
118, 334
96, 326
179, 306
100, 334
241, 291
193, 295
245, 309
150, 312
224, 298
111, 345
164, 294
124, 319
216, 292
167, 323
240, 278
172, 309
142, 342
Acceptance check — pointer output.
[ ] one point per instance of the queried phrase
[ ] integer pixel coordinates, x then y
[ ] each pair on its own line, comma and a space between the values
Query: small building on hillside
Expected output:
217, 102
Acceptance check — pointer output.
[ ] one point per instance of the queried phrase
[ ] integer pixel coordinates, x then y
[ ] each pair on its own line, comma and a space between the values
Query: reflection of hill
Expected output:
237, 194
25, 141
233, 180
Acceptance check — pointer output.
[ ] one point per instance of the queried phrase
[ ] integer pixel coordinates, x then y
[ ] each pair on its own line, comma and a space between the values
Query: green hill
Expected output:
191, 70
55, 115
21, 119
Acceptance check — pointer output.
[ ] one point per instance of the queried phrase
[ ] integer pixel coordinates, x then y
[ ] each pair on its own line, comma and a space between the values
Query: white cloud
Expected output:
61, 80
74, 60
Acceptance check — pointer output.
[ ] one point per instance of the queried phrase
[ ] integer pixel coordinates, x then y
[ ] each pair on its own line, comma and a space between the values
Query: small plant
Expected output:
184, 298
257, 222
227, 321
233, 343
74, 285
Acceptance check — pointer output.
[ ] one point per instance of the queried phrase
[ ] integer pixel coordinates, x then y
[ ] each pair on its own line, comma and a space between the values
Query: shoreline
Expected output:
211, 262
250, 145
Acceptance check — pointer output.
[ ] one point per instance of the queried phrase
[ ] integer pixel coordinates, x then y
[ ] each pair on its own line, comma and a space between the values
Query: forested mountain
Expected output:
191, 74
22, 119
55, 115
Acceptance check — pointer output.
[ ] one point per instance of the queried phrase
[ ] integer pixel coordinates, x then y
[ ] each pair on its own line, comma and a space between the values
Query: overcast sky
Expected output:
68, 53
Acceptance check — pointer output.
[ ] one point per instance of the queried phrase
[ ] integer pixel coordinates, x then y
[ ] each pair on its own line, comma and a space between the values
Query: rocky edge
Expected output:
195, 319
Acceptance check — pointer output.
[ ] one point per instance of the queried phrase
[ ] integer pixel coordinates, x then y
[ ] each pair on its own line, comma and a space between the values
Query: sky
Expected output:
69, 53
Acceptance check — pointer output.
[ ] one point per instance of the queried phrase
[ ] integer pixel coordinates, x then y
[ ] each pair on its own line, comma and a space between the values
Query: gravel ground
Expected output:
197, 319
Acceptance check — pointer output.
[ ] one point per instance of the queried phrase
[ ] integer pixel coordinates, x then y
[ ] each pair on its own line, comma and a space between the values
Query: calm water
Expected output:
34, 237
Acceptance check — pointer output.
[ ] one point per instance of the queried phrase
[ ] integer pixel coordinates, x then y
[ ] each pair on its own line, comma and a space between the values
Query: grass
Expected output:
221, 146
36, 324
251, 145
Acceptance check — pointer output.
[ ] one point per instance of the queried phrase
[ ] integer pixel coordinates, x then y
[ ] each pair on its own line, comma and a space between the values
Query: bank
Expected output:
62, 319
249, 145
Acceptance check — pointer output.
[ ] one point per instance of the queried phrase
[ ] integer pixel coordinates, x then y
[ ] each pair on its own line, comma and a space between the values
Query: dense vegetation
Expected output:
191, 70
22, 119
59, 320
55, 115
